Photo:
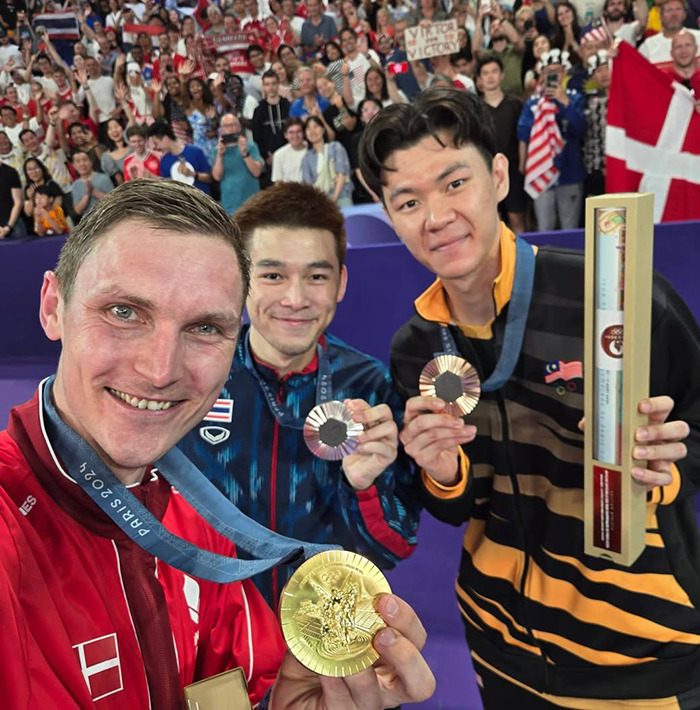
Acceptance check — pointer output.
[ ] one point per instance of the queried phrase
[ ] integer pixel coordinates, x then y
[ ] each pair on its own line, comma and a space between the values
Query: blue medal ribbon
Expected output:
324, 386
518, 309
135, 520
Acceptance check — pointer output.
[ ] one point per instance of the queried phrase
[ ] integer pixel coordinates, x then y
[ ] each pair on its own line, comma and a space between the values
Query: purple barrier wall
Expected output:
383, 281
22, 266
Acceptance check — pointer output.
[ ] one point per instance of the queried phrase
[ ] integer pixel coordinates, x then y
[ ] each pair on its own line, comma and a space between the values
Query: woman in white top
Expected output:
112, 160
326, 165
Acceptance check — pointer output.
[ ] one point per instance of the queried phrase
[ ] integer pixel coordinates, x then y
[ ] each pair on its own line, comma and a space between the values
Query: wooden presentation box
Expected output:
618, 283
225, 691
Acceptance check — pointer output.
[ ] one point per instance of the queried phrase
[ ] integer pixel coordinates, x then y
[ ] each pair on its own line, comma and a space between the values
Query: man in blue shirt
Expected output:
317, 28
309, 99
251, 444
237, 166
181, 162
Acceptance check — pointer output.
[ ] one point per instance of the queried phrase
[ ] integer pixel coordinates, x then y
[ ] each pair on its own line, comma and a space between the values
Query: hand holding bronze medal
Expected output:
330, 432
454, 380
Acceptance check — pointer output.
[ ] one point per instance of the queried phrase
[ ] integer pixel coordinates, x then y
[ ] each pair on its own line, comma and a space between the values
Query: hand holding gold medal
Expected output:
327, 612
352, 643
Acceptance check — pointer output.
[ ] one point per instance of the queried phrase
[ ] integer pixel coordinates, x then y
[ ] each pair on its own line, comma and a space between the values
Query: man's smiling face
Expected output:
148, 337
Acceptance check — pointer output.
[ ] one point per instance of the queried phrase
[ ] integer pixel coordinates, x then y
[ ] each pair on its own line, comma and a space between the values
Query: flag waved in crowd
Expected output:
653, 138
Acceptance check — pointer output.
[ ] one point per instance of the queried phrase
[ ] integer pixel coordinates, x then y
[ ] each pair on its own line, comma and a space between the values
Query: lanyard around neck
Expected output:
135, 520
324, 386
516, 320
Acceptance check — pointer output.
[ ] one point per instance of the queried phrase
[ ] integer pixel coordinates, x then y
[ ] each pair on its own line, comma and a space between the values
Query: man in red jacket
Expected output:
147, 300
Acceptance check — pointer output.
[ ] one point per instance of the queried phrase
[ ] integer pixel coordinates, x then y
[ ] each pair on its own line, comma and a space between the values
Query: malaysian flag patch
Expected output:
222, 411
560, 370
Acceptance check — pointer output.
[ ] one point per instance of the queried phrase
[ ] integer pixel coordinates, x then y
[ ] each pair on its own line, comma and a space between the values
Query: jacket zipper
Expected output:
162, 695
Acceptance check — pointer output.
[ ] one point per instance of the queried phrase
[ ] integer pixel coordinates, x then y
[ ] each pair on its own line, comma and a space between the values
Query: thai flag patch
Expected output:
222, 411
560, 370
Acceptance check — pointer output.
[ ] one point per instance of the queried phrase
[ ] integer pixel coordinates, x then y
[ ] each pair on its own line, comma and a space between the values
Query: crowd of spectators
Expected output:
231, 96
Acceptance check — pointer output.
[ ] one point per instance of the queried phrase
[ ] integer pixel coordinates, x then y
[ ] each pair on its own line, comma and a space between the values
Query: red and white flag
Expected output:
99, 662
652, 141
543, 147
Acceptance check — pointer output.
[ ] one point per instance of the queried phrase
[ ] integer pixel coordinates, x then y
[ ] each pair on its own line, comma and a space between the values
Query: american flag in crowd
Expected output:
560, 370
544, 145
597, 31
60, 25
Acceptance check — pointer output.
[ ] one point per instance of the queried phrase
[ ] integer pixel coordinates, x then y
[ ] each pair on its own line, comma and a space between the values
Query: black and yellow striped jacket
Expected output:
535, 607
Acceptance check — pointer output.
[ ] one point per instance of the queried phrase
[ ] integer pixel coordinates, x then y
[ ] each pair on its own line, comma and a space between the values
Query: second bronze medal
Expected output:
453, 380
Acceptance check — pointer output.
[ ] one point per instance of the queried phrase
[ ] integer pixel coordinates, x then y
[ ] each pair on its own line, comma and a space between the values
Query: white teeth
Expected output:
137, 403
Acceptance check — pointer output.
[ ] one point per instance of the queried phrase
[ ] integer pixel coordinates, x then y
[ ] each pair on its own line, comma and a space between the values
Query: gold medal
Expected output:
453, 379
330, 431
327, 613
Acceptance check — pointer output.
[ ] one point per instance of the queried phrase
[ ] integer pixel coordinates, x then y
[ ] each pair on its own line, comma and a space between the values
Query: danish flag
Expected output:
99, 662
652, 140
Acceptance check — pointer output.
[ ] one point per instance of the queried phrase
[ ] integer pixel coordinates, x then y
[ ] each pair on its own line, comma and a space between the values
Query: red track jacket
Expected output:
88, 618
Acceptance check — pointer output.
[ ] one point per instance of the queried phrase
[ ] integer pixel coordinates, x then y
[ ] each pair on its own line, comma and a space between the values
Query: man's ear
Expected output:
51, 308
499, 172
343, 283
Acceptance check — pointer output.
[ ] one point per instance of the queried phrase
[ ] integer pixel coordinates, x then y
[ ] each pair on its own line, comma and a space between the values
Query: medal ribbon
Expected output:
324, 386
518, 308
135, 520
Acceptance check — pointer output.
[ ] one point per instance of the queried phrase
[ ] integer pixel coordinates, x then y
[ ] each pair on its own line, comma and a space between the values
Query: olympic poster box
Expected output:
618, 281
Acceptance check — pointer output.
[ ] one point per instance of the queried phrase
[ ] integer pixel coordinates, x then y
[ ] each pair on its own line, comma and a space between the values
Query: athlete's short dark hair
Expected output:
292, 205
455, 112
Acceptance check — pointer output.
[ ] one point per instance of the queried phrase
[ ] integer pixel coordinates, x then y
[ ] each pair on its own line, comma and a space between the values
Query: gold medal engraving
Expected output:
327, 613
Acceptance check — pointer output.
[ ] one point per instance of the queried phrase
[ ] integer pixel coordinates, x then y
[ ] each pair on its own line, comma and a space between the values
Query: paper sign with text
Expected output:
433, 41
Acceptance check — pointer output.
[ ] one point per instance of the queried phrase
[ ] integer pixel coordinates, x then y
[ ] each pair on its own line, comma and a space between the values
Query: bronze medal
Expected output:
454, 380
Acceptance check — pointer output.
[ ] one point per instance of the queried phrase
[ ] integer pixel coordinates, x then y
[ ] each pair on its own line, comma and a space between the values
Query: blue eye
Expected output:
206, 329
123, 312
